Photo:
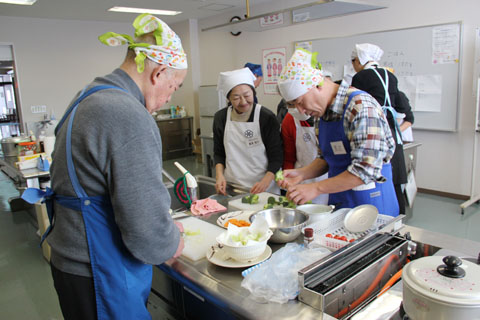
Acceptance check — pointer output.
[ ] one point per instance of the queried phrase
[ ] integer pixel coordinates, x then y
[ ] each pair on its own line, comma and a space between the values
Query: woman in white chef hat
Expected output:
246, 137
383, 86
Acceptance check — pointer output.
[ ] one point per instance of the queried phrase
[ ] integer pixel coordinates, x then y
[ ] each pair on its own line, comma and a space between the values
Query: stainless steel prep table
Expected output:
221, 288
21, 180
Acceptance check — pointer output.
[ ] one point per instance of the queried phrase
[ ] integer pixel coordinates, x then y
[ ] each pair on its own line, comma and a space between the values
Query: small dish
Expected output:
316, 212
361, 218
239, 215
216, 256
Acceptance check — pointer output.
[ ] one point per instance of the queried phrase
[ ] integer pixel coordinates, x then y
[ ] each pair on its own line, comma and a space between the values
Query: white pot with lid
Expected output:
436, 288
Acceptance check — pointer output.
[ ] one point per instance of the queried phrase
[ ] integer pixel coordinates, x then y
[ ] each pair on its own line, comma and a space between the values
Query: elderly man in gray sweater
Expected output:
111, 208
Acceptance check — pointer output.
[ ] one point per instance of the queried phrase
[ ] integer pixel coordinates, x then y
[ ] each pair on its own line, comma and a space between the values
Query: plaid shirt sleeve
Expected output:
371, 140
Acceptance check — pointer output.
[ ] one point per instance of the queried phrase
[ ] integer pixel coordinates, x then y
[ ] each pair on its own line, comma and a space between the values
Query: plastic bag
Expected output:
276, 280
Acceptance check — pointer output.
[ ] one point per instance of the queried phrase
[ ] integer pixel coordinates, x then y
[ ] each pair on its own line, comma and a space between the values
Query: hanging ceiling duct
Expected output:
298, 13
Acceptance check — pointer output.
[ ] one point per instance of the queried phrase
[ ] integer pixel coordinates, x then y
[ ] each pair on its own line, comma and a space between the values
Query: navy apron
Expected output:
122, 282
381, 195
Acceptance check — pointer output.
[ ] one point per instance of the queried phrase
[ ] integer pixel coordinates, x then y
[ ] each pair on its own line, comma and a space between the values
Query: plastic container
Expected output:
26, 148
334, 225
41, 141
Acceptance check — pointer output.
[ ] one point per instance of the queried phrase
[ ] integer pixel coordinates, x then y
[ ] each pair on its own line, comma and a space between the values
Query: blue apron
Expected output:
122, 282
381, 195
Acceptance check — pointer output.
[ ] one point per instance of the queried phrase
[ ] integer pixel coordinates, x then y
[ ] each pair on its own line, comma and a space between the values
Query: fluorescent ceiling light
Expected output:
22, 2
141, 10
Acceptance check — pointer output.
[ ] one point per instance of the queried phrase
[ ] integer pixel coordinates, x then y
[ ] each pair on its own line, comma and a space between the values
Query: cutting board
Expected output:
196, 245
262, 201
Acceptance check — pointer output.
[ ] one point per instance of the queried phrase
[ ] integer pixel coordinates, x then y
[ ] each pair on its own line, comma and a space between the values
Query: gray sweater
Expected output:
117, 152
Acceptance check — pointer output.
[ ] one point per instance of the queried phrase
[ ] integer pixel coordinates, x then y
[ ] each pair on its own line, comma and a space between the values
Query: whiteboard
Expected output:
413, 53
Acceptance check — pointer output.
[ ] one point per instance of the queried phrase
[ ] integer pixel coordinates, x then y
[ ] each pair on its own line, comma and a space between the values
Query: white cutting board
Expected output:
237, 204
196, 246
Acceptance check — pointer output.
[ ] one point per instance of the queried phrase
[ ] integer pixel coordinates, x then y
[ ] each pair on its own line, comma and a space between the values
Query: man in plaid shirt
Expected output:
354, 137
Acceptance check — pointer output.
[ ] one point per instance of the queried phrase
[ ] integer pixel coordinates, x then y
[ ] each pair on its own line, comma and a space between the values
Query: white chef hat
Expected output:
302, 73
367, 52
230, 79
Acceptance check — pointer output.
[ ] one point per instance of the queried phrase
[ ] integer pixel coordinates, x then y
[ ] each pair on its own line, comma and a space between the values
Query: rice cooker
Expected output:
9, 145
440, 289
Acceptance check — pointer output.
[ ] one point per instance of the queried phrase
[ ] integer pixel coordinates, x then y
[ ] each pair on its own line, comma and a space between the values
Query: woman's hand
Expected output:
301, 193
291, 177
221, 184
263, 184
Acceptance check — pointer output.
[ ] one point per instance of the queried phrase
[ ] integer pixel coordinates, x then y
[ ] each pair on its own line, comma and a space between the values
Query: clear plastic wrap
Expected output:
276, 280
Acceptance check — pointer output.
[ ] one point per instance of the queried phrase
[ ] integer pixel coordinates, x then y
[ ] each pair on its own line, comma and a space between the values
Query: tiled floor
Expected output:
26, 286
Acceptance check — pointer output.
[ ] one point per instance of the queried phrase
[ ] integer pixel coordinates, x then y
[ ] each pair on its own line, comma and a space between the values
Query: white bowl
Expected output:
243, 253
316, 212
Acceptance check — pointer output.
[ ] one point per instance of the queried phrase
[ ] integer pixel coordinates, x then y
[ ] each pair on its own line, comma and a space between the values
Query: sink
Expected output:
206, 188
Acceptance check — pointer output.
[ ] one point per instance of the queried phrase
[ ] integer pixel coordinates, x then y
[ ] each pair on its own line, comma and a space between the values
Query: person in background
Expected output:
300, 145
246, 137
257, 72
354, 138
405, 117
111, 208
282, 110
382, 85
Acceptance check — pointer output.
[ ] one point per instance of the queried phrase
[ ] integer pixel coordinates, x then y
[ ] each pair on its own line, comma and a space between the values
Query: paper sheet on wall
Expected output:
423, 91
307, 45
429, 93
273, 63
445, 44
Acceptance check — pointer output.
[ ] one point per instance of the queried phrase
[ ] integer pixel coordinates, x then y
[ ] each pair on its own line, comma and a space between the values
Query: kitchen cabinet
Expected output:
176, 137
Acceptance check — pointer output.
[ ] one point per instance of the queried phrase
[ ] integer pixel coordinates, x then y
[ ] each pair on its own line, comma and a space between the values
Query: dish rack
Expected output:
333, 224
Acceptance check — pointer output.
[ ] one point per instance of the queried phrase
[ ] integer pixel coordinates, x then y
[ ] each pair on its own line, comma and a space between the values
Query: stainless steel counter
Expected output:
225, 285
22, 179
204, 279
7, 165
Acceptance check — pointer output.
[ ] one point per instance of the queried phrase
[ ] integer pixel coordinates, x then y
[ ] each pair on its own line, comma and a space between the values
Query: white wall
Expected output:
444, 161
57, 58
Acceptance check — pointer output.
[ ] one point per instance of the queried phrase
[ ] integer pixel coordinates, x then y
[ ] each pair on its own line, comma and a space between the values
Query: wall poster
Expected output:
273, 63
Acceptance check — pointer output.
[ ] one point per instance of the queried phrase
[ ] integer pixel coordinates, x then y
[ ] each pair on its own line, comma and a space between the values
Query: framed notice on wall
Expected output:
273, 63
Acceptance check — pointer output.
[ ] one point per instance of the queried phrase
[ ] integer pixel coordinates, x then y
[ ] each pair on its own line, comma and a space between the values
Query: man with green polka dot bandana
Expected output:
109, 205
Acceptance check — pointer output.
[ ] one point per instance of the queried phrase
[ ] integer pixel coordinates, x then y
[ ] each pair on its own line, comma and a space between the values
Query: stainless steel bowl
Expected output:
285, 223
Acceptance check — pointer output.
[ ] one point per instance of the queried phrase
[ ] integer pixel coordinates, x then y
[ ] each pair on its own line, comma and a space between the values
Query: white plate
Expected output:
361, 218
239, 215
217, 257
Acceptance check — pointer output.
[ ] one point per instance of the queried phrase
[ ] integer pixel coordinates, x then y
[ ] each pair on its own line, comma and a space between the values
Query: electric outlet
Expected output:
38, 109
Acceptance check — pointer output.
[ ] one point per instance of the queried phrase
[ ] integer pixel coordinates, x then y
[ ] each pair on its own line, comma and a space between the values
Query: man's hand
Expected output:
302, 193
291, 177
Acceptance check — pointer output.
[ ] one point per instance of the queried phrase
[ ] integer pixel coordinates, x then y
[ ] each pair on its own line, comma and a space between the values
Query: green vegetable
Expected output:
251, 199
279, 175
308, 202
191, 232
271, 200
281, 199
268, 206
